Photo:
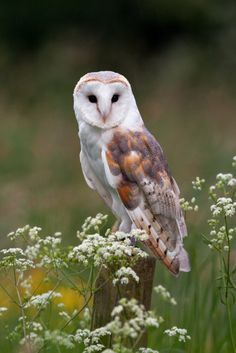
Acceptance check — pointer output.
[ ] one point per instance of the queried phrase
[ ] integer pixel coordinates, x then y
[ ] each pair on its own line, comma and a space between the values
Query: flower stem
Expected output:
227, 282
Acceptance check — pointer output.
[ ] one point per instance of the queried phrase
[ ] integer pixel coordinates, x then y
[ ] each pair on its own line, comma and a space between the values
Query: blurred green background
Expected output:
180, 58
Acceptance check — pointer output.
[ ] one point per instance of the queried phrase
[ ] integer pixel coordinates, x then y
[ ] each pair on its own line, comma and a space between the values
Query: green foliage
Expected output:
34, 329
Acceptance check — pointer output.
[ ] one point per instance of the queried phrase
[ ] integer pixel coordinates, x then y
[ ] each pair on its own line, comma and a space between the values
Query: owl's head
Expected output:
103, 99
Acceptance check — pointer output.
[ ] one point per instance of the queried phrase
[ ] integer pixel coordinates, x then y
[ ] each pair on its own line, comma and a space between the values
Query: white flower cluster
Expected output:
34, 326
163, 292
114, 248
234, 161
181, 333
59, 338
198, 183
221, 237
38, 339
38, 252
69, 317
115, 251
85, 320
33, 233
122, 275
139, 234
188, 206
15, 258
130, 319
91, 339
3, 309
224, 181
34, 339
225, 206
26, 284
92, 224
42, 300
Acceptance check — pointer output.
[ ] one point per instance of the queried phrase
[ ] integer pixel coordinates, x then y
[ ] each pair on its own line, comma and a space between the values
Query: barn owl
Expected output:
124, 163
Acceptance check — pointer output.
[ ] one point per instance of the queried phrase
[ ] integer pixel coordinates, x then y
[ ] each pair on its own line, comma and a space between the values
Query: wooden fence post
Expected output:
107, 297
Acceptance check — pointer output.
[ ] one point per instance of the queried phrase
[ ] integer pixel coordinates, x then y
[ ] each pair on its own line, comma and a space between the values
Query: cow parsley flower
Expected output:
188, 206
198, 183
15, 258
12, 251
224, 180
180, 333
92, 224
19, 232
42, 300
223, 205
91, 339
34, 338
26, 284
130, 319
234, 161
123, 274
163, 292
3, 309
59, 338
114, 249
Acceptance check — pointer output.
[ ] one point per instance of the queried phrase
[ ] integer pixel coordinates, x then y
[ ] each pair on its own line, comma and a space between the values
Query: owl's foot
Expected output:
116, 226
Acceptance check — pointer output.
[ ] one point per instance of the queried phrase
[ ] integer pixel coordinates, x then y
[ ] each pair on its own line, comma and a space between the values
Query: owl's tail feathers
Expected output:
184, 265
143, 219
175, 260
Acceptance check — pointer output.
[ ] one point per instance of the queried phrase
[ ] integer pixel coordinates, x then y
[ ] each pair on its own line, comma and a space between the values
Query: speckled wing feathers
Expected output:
149, 193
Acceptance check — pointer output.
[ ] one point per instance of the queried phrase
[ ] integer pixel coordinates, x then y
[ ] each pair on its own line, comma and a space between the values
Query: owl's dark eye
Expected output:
115, 98
92, 98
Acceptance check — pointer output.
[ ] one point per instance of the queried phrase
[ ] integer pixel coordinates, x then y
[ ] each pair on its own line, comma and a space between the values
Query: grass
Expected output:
192, 116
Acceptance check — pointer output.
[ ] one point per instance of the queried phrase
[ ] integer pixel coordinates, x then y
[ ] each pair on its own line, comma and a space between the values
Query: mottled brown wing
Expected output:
149, 194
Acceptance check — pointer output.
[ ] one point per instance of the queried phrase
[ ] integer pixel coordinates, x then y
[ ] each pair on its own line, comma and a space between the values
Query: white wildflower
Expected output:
26, 284
234, 161
122, 275
224, 180
198, 183
59, 338
114, 248
130, 319
91, 339
188, 205
165, 294
34, 326
35, 339
12, 251
65, 315
180, 333
3, 309
18, 232
139, 234
92, 224
42, 300
232, 182
223, 205
34, 233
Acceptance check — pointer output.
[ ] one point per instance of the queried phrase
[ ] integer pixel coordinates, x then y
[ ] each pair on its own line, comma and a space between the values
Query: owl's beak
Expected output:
104, 110
104, 118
